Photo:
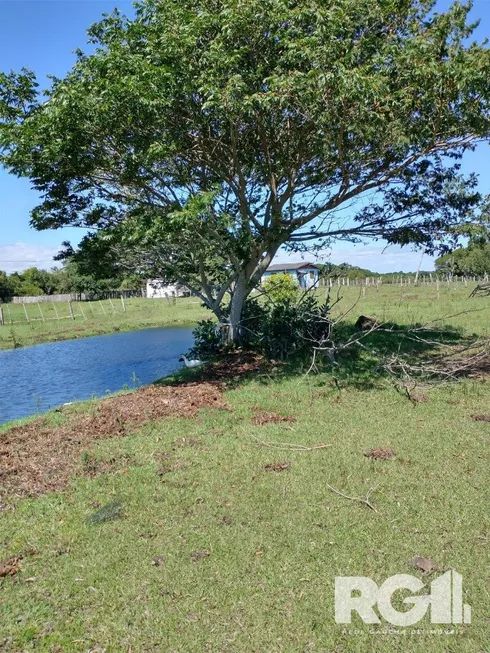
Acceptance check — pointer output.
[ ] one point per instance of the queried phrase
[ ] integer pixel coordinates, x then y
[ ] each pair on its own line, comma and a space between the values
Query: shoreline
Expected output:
62, 337
101, 318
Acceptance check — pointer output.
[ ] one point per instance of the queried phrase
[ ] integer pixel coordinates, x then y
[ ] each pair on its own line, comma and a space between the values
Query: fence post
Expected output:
71, 311
1, 317
10, 315
40, 310
123, 304
56, 311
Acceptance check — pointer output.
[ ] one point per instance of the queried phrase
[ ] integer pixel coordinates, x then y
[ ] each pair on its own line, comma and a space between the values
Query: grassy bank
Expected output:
51, 322
230, 525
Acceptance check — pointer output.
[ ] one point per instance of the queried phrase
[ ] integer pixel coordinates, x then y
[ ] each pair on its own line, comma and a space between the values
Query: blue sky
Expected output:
42, 35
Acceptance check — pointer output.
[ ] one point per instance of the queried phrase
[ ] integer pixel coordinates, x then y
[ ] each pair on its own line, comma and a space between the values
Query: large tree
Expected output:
200, 136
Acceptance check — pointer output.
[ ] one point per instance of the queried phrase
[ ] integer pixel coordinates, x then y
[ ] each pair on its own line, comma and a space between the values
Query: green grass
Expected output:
416, 304
276, 540
94, 318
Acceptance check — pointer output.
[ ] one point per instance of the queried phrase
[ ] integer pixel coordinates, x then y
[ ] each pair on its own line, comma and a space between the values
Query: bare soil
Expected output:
37, 458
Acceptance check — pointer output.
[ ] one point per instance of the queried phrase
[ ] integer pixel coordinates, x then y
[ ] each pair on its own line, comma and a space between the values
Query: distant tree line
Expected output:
353, 272
74, 277
69, 278
473, 260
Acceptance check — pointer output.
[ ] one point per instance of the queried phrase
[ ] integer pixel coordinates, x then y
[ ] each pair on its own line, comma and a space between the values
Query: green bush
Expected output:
280, 289
280, 329
207, 339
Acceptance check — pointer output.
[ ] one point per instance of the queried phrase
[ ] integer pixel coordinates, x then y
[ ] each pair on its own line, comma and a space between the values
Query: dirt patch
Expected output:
38, 458
197, 556
236, 367
380, 454
418, 398
271, 418
277, 467
427, 565
10, 567
92, 466
481, 418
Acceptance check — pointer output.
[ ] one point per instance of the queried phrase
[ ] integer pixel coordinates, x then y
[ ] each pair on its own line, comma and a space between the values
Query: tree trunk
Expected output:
249, 278
237, 302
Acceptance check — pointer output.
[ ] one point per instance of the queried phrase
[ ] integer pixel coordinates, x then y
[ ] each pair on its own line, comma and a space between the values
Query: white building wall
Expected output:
158, 289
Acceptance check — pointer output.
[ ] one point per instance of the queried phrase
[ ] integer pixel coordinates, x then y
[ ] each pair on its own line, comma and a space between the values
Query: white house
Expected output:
305, 274
160, 289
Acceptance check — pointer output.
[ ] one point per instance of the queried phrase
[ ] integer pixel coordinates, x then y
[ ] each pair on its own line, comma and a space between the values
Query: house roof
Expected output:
283, 267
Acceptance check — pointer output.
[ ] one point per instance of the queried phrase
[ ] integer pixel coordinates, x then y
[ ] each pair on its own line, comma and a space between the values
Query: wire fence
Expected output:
33, 312
405, 280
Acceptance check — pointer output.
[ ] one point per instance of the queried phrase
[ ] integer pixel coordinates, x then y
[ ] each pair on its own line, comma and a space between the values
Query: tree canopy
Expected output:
466, 261
200, 137
72, 277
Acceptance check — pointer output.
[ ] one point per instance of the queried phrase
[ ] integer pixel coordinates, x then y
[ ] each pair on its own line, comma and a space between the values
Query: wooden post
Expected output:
56, 311
10, 315
40, 310
123, 304
91, 307
25, 311
71, 310
1, 317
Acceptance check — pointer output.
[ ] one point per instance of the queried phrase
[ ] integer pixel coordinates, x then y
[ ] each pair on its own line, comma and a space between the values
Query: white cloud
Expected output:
20, 256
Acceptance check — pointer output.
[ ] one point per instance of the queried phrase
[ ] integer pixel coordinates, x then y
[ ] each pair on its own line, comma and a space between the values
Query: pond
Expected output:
38, 378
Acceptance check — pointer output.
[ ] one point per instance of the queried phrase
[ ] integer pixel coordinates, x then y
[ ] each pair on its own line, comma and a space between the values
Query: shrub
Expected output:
292, 330
207, 339
280, 289
281, 329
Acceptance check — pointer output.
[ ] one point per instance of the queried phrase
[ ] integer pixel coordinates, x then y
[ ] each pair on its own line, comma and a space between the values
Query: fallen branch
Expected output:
449, 366
364, 500
289, 446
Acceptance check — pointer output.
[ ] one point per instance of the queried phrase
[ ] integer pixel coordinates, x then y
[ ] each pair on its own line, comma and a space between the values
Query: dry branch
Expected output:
365, 500
289, 446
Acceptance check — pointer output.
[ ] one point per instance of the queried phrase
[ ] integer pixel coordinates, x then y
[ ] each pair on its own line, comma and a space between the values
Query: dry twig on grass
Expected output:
365, 500
289, 446
456, 360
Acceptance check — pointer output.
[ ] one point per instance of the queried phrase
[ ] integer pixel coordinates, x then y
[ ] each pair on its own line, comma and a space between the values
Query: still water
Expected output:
38, 378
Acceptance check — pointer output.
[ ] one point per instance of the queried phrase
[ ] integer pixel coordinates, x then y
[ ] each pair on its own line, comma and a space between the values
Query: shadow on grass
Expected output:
359, 366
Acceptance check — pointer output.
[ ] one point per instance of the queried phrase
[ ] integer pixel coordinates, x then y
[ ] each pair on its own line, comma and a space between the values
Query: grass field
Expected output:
93, 318
230, 537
